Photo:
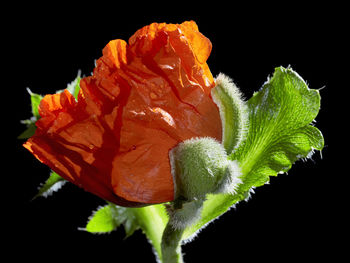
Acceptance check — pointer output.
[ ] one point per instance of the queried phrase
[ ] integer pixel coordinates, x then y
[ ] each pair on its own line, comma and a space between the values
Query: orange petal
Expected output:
141, 101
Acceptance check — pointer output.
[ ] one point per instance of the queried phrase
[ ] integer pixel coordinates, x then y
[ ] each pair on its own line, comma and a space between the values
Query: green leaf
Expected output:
110, 217
151, 219
74, 86
35, 101
29, 132
30, 123
126, 217
52, 184
103, 220
279, 133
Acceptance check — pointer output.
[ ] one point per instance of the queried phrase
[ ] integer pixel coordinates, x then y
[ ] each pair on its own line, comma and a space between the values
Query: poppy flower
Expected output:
143, 98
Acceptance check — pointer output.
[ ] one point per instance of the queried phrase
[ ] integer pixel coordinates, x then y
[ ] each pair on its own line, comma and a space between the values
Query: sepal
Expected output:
233, 112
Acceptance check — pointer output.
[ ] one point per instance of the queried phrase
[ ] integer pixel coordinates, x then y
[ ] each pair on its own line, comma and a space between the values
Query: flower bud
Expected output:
200, 166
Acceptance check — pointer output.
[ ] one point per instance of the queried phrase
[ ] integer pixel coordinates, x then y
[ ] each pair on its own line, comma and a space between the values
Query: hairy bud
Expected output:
200, 166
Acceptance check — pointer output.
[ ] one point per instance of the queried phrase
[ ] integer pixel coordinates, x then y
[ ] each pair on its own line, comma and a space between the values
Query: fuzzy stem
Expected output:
171, 244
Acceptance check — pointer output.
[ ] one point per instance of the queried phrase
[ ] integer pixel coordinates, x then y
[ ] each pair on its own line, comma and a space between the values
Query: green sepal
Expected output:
233, 112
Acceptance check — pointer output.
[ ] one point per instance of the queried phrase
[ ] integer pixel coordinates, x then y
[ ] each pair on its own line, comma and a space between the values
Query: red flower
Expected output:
142, 100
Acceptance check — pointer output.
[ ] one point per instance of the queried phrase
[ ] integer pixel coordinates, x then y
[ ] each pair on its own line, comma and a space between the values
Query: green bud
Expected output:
200, 166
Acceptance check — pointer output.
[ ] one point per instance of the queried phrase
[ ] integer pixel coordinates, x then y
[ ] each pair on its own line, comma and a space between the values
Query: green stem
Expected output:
182, 213
171, 244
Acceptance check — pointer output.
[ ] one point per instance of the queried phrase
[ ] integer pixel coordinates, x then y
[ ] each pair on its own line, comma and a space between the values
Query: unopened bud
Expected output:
200, 166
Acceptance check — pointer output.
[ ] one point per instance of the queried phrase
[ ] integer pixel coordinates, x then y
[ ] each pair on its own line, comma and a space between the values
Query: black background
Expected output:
297, 216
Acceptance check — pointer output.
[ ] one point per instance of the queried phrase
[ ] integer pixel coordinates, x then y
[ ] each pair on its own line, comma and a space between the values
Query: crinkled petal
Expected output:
143, 98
